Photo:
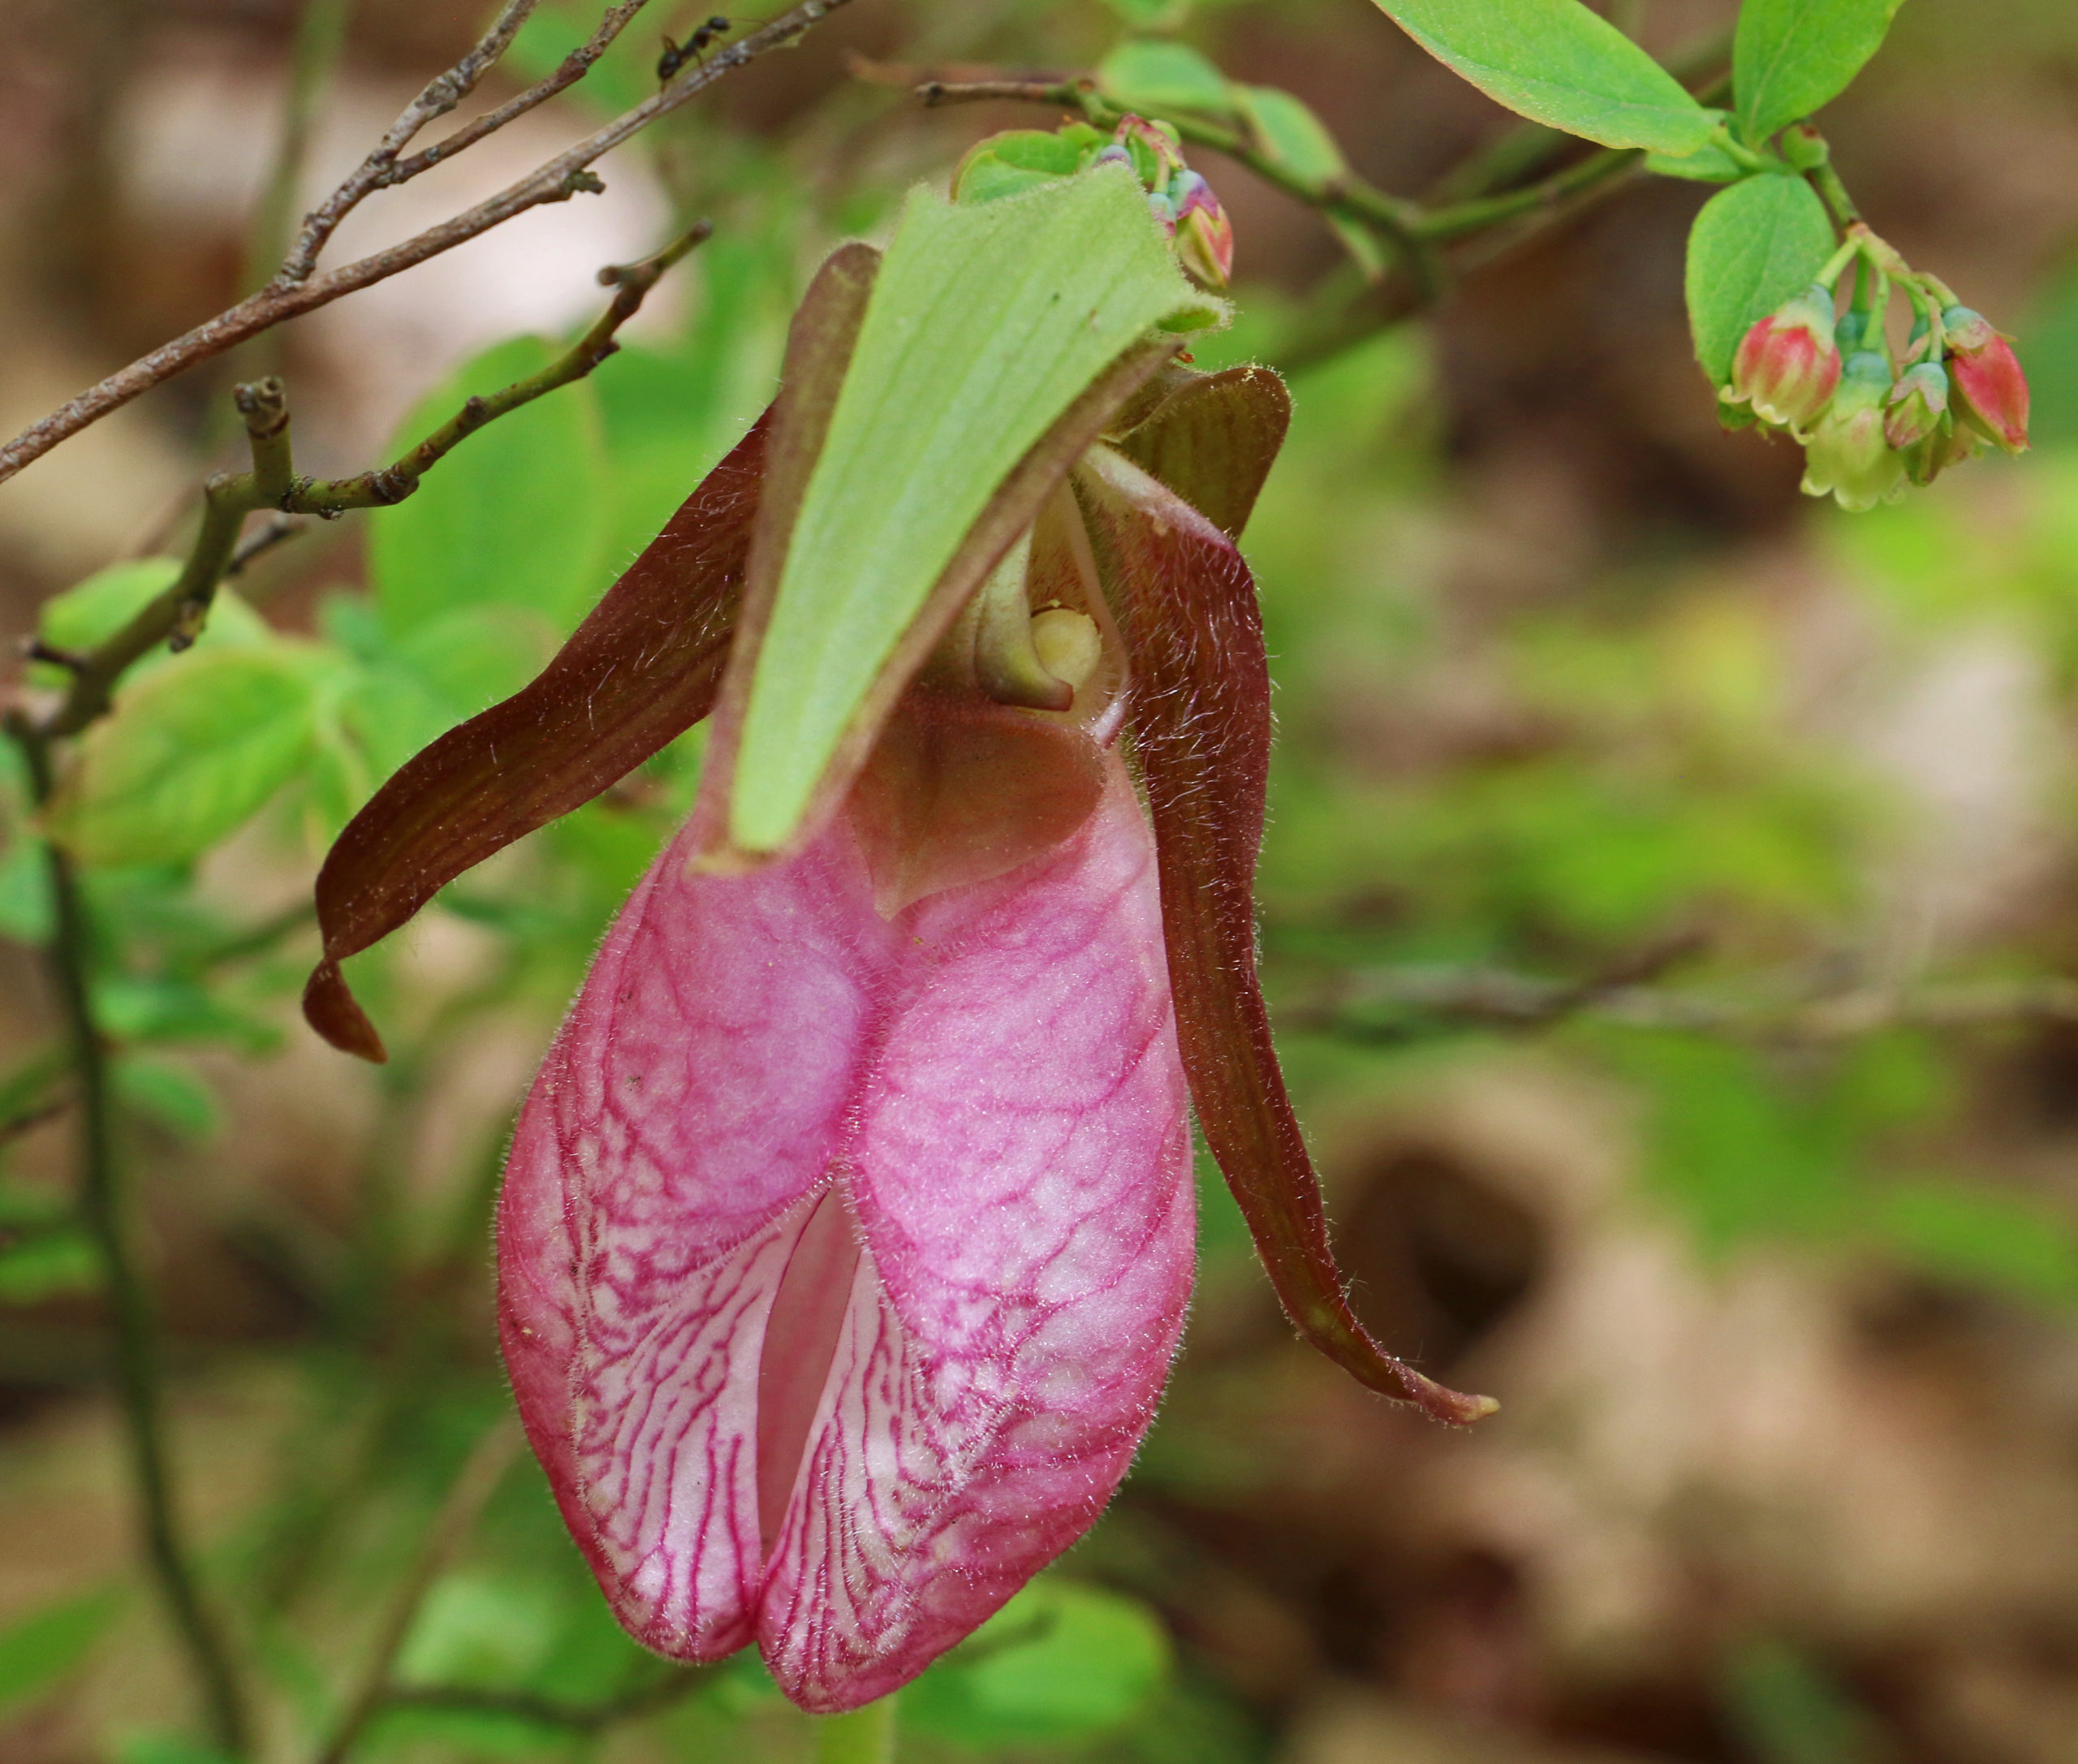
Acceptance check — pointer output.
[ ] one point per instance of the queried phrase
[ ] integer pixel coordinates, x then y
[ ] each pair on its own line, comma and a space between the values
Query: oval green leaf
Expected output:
37, 1650
986, 323
1060, 1662
1791, 56
1155, 78
193, 750
1559, 64
1752, 247
1289, 134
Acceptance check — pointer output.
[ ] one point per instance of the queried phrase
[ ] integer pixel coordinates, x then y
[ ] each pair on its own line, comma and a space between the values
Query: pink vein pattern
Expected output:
988, 1086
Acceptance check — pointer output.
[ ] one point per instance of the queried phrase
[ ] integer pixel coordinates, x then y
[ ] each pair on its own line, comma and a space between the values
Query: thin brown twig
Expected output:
556, 180
437, 98
320, 35
1376, 1007
276, 530
467, 1497
568, 71
176, 616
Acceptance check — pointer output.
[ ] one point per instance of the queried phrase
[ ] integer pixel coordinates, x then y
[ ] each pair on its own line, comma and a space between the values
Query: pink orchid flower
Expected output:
848, 1229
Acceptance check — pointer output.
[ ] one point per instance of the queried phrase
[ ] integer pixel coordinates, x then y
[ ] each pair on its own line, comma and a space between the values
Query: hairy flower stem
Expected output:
131, 1315
864, 1736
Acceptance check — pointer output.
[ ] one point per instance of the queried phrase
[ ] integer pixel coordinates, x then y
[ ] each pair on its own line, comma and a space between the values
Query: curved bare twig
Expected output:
566, 175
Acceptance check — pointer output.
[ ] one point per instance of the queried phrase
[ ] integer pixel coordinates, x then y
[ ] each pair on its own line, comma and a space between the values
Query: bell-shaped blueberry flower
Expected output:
1992, 389
1789, 365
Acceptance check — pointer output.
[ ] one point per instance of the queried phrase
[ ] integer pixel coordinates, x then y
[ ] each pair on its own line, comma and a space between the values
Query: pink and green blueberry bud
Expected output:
1155, 148
1991, 392
1917, 404
1204, 234
1788, 365
1848, 457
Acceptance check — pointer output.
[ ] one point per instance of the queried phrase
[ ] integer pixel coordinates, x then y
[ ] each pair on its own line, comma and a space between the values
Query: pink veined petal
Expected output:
651, 1202
1020, 1171
986, 1089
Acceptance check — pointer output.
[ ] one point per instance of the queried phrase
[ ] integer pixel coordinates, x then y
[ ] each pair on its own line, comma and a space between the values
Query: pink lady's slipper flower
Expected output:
848, 1228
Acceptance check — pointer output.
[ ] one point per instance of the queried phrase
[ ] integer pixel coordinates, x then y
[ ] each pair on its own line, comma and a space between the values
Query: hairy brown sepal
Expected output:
641, 670
1200, 718
1213, 440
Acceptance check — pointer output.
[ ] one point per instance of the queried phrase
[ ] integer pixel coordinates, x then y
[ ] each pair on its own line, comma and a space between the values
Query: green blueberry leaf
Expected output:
1752, 247
986, 323
1558, 63
1791, 56
1288, 132
1155, 78
2010, 1242
47, 1263
193, 750
174, 1095
1060, 1662
518, 515
39, 1649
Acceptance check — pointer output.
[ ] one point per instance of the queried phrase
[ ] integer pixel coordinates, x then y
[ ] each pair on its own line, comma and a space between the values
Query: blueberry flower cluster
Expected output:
1869, 422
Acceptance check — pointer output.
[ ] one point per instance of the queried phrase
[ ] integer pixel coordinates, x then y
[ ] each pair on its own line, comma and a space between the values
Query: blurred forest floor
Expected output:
1575, 691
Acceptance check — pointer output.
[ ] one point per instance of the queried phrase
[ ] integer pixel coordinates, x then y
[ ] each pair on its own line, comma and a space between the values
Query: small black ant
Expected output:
676, 55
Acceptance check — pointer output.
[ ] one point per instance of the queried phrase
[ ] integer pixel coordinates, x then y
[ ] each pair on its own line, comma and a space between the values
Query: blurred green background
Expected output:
1668, 903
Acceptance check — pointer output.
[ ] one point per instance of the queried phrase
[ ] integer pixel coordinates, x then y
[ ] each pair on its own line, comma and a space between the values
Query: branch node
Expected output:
264, 406
36, 649
187, 625
584, 181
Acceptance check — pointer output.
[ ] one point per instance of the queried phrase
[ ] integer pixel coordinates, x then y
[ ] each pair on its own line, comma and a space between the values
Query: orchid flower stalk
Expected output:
847, 1230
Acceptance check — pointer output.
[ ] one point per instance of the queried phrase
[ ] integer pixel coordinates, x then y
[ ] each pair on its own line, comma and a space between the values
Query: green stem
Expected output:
102, 1211
1826, 182
864, 1736
1739, 155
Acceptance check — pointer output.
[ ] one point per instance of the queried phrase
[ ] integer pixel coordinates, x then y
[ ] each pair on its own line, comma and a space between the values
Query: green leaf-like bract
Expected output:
987, 322
1791, 56
1558, 63
1753, 246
